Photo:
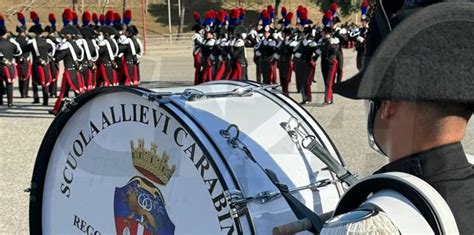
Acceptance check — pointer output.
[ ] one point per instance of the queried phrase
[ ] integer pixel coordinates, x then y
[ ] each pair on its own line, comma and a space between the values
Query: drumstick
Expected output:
293, 227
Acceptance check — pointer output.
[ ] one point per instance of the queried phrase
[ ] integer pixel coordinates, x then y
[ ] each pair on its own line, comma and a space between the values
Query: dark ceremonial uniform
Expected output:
448, 171
68, 52
106, 74
208, 60
53, 68
41, 74
23, 66
254, 40
8, 49
239, 61
340, 58
267, 49
360, 41
117, 61
219, 59
90, 55
197, 56
130, 49
227, 48
285, 64
329, 66
304, 62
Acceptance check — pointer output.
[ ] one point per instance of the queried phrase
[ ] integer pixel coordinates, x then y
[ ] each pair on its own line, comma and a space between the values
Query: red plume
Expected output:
67, 14
334, 7
265, 14
235, 13
209, 14
364, 3
221, 16
95, 17
33, 15
196, 16
289, 16
128, 14
51, 17
110, 15
20, 16
328, 14
304, 14
86, 16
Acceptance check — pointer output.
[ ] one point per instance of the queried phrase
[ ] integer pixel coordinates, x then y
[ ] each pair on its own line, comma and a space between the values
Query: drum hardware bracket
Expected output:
160, 97
29, 190
68, 104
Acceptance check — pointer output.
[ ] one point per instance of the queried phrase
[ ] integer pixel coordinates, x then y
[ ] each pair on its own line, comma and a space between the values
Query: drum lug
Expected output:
159, 97
267, 196
237, 201
68, 104
32, 188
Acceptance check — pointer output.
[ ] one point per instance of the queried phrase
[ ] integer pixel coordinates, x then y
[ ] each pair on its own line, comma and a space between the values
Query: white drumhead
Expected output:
123, 165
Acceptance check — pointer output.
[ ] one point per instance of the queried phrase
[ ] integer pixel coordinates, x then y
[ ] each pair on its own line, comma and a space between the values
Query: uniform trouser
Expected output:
268, 70
197, 68
24, 73
340, 65
53, 86
118, 71
131, 73
360, 59
207, 70
257, 61
303, 72
88, 77
228, 70
330, 76
239, 71
7, 76
220, 69
41, 77
285, 69
106, 75
69, 82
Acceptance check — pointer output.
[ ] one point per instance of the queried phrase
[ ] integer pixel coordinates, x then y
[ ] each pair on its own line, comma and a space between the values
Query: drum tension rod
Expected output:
68, 104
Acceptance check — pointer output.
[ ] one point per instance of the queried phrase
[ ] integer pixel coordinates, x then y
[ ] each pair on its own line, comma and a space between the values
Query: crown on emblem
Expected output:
150, 164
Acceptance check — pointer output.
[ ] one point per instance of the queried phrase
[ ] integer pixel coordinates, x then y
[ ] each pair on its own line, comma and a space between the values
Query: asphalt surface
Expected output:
22, 129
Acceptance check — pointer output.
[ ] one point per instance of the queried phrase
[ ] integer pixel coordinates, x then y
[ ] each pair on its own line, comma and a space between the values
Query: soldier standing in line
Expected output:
266, 48
91, 52
51, 37
8, 49
39, 48
197, 44
284, 54
23, 61
106, 74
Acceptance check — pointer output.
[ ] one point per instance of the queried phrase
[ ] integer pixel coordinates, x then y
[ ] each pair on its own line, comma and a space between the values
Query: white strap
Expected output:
109, 50
18, 47
71, 49
96, 48
86, 49
116, 46
35, 47
50, 42
78, 43
140, 54
132, 47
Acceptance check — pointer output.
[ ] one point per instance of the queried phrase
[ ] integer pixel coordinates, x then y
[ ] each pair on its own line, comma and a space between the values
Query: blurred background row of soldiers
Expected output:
283, 45
98, 50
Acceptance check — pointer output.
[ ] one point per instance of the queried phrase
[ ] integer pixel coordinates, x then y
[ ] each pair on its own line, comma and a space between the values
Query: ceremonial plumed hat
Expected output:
3, 29
36, 28
424, 52
70, 29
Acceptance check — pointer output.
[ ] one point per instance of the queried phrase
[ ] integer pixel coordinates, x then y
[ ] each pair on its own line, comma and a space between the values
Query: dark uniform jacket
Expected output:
7, 49
66, 56
23, 41
446, 169
43, 49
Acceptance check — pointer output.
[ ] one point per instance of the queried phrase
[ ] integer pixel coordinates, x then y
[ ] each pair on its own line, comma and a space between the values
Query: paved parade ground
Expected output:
22, 129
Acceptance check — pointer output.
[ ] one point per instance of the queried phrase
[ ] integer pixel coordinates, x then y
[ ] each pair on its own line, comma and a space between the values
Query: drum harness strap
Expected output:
299, 209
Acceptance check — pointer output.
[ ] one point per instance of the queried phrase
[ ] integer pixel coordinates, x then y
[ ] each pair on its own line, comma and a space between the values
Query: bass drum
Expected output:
183, 160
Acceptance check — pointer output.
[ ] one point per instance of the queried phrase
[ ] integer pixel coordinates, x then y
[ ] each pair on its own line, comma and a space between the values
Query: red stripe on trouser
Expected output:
331, 80
57, 105
221, 71
104, 76
197, 69
67, 76
126, 72
28, 71
114, 77
80, 80
207, 73
238, 72
57, 73
7, 74
41, 75
136, 81
50, 76
274, 74
311, 72
90, 83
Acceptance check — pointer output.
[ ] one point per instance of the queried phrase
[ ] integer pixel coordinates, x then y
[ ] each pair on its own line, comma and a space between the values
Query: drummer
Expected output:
418, 118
